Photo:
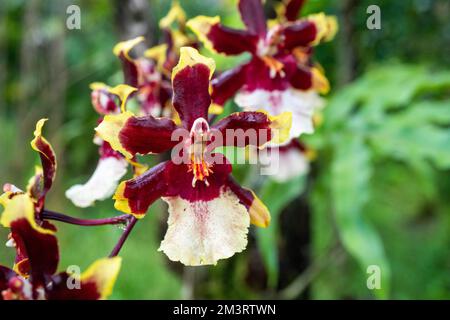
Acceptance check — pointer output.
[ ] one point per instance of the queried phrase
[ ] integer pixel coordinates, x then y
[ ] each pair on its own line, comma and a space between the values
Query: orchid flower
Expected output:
209, 213
148, 79
34, 273
280, 75
175, 36
112, 166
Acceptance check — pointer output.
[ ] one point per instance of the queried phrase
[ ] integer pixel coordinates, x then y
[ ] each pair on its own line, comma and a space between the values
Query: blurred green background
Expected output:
378, 191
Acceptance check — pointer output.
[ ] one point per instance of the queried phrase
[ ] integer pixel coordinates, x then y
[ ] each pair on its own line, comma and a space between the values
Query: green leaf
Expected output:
416, 134
350, 175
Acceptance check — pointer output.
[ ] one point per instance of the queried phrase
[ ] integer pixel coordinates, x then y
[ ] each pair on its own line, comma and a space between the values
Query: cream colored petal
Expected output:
287, 164
102, 183
302, 104
203, 232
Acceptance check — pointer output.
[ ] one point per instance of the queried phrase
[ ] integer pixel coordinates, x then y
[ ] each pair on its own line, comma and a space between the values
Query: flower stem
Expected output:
123, 237
51, 215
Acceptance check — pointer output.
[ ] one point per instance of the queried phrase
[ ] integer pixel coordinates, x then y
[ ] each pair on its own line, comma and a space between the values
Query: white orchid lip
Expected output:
10, 243
203, 232
102, 183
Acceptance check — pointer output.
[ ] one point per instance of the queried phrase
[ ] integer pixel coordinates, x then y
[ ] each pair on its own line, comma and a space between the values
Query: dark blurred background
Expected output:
378, 190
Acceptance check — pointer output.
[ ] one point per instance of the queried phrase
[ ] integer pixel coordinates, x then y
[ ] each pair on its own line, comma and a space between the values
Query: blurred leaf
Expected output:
350, 174
382, 142
417, 133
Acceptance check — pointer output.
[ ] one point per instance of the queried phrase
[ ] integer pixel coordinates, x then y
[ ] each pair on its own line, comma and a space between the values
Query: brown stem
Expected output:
56, 216
124, 237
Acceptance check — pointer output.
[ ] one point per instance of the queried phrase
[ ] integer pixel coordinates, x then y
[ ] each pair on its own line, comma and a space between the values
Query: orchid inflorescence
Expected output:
176, 91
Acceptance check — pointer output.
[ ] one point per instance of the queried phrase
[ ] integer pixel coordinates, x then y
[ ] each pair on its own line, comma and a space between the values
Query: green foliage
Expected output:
380, 184
383, 143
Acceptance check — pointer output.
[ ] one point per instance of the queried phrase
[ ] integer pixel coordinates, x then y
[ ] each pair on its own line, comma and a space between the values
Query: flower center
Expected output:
266, 50
274, 65
198, 166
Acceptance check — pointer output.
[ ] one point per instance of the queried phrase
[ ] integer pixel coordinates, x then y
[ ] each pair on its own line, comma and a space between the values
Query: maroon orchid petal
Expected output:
131, 135
299, 34
94, 284
130, 71
260, 75
305, 78
293, 8
227, 84
190, 81
230, 41
48, 160
103, 100
34, 240
254, 128
60, 291
252, 14
129, 67
259, 214
40, 248
136, 195
294, 144
171, 54
106, 151
181, 180
245, 128
165, 93
147, 134
302, 78
221, 39
21, 261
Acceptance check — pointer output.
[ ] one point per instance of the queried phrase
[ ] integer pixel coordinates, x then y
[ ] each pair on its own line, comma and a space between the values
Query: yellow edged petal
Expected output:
201, 25
19, 206
327, 27
123, 91
157, 53
98, 86
319, 82
333, 28
126, 46
138, 168
103, 273
190, 57
280, 125
176, 13
110, 128
38, 173
38, 134
259, 214
121, 203
215, 108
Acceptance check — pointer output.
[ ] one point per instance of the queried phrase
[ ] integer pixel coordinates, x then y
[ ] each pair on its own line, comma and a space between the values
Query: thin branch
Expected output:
51, 215
123, 238
296, 287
